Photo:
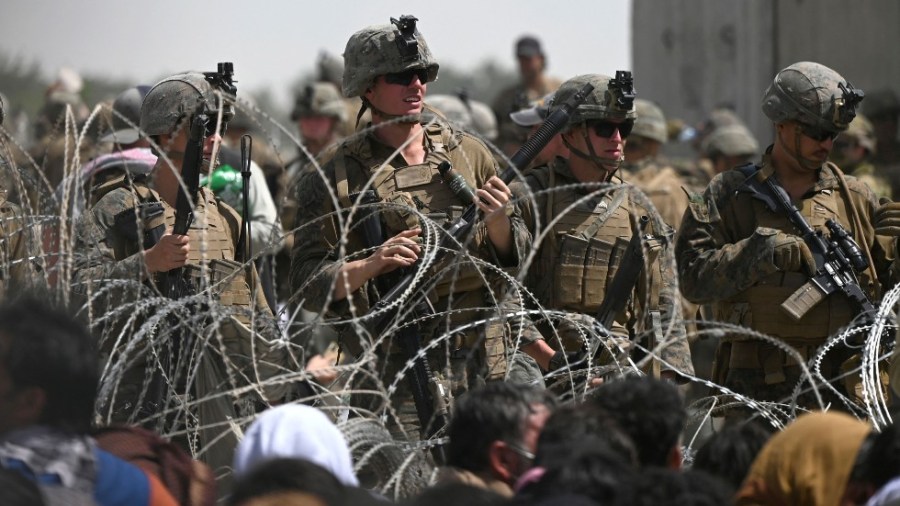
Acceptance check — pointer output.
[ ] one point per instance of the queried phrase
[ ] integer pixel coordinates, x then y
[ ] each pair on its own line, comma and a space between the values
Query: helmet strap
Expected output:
401, 118
608, 165
795, 154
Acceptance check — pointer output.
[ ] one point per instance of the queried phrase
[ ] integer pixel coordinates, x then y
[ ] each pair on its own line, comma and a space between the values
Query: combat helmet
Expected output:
650, 121
177, 98
862, 130
331, 68
319, 99
385, 49
814, 96
453, 109
612, 99
730, 140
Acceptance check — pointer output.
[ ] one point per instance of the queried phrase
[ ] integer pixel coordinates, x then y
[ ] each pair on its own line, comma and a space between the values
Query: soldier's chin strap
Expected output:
401, 118
795, 154
608, 165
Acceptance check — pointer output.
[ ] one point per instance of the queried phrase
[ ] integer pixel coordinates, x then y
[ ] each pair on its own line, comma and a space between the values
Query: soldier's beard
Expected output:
806, 163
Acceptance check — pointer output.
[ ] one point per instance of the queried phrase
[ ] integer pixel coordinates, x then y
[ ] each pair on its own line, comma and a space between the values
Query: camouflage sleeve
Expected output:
882, 248
314, 264
711, 265
100, 252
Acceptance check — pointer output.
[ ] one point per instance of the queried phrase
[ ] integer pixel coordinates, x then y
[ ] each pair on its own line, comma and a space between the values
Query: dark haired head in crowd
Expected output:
729, 454
573, 425
281, 476
592, 470
48, 368
651, 412
581, 450
493, 434
662, 487
17, 490
877, 468
453, 494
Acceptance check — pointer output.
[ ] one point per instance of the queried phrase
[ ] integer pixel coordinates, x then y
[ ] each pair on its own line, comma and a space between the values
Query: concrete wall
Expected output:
692, 55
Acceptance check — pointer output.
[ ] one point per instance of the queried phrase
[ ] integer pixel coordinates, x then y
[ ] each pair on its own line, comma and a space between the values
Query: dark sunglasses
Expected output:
405, 78
818, 134
211, 128
606, 129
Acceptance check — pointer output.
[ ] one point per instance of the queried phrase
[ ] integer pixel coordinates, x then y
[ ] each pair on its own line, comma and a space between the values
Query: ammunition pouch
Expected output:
398, 215
226, 279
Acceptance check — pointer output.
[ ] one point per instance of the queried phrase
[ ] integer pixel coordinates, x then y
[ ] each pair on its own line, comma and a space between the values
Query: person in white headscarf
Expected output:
296, 431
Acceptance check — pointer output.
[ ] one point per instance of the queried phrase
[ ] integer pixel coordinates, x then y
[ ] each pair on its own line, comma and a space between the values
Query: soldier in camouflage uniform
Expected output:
118, 265
532, 118
319, 112
645, 168
19, 239
745, 259
729, 146
331, 70
853, 151
389, 66
589, 230
882, 108
533, 85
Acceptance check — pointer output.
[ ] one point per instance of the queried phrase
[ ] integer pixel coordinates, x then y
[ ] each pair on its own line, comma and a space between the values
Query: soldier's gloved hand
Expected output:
574, 360
887, 218
791, 254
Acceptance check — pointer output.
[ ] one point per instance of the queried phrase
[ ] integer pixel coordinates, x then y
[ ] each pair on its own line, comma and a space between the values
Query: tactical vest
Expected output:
759, 307
581, 253
420, 188
211, 245
407, 190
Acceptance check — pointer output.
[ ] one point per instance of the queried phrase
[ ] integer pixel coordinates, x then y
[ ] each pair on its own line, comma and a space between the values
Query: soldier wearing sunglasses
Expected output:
336, 267
745, 259
583, 223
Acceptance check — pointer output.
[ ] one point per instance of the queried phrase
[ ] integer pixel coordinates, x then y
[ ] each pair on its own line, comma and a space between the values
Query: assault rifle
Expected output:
838, 258
430, 408
459, 230
173, 283
619, 290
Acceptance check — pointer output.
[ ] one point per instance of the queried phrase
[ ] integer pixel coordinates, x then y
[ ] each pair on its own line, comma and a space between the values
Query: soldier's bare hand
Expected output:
492, 199
171, 252
402, 250
322, 369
